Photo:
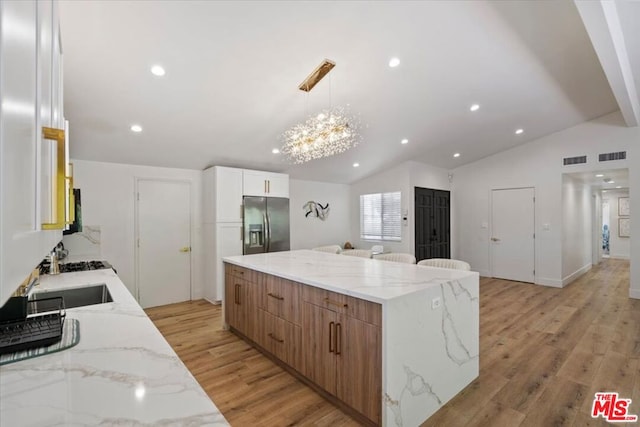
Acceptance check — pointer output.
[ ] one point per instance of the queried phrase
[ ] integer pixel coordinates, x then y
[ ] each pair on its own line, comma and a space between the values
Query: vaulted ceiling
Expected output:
233, 70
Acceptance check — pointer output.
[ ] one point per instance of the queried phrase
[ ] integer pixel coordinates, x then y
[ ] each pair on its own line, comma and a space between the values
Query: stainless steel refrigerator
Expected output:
266, 225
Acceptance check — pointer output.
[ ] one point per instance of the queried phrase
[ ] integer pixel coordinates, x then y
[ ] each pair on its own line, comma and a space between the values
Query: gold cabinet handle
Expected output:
58, 184
186, 249
71, 200
273, 337
278, 297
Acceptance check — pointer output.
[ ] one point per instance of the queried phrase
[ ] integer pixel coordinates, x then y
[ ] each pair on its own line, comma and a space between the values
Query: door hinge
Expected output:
534, 235
534, 272
138, 242
138, 196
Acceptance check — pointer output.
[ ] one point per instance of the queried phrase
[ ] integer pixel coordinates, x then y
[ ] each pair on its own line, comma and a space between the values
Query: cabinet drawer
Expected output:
281, 297
239, 272
357, 308
281, 338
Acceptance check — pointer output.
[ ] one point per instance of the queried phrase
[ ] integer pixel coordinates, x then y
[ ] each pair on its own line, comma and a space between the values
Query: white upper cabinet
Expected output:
266, 184
25, 91
222, 195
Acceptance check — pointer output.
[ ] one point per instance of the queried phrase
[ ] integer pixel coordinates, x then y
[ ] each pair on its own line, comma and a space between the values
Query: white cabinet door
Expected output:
277, 185
228, 194
254, 183
19, 235
265, 184
228, 243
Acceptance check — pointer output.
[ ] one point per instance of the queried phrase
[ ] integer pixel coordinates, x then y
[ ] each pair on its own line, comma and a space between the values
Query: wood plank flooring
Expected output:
544, 352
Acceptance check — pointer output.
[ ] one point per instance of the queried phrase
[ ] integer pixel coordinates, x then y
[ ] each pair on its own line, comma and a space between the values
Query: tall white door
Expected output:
512, 234
164, 242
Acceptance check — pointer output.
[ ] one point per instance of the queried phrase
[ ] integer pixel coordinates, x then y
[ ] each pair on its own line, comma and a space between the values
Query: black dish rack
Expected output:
40, 325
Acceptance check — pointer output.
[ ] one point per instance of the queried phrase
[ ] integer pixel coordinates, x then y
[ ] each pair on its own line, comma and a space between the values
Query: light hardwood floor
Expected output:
544, 352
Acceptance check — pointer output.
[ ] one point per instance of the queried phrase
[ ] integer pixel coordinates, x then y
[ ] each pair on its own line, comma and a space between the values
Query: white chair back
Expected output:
332, 249
362, 253
397, 257
446, 263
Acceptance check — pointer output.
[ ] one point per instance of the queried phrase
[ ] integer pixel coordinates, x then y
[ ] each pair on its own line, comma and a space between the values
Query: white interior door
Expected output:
164, 242
512, 234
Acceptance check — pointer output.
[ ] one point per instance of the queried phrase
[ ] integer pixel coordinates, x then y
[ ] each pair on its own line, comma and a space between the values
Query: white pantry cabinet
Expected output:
265, 184
30, 164
222, 194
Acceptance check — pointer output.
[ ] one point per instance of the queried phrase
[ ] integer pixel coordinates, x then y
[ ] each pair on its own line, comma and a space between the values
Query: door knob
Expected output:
185, 249
495, 239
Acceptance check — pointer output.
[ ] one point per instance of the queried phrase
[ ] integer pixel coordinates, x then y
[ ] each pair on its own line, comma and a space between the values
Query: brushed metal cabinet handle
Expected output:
273, 337
329, 301
338, 338
278, 297
331, 326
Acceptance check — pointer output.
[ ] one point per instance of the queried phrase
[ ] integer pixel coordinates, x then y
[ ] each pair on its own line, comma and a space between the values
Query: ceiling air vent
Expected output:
574, 160
605, 157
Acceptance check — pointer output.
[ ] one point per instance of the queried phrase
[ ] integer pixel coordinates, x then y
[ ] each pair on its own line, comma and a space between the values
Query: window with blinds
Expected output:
380, 216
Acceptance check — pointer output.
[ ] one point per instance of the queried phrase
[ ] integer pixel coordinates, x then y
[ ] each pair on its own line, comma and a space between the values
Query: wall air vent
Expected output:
574, 160
605, 157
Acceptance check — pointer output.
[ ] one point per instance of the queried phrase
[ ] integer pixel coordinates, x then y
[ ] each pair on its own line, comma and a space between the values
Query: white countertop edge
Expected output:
354, 292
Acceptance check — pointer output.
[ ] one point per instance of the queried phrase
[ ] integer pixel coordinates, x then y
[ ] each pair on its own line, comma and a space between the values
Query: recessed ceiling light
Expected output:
136, 128
604, 191
404, 141
611, 181
355, 165
394, 62
619, 186
474, 107
158, 70
519, 131
599, 175
275, 151
456, 155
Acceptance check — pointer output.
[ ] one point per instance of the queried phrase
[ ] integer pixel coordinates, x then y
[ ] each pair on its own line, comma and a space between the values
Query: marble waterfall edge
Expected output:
441, 349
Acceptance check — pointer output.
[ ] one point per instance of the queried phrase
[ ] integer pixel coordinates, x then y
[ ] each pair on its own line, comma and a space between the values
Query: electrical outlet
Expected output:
436, 303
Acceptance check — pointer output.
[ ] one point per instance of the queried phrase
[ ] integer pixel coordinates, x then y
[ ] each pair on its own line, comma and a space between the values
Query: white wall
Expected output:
403, 178
107, 191
539, 164
619, 247
576, 229
307, 232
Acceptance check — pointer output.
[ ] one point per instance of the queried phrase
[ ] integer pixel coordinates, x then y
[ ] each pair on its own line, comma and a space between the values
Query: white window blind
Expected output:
380, 216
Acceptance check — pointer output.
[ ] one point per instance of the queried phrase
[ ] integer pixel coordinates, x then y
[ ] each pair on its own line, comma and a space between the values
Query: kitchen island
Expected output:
389, 342
122, 372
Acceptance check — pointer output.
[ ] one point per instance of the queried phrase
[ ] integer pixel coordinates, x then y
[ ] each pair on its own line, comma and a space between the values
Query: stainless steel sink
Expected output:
78, 297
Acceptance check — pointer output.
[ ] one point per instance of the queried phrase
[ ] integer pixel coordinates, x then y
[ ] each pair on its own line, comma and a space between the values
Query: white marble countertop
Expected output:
369, 279
123, 372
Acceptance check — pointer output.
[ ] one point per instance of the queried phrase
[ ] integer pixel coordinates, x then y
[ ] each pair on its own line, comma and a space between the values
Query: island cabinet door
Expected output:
359, 366
241, 307
318, 346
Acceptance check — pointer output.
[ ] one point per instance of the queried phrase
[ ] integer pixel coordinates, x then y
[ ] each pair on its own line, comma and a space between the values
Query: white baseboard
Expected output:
573, 276
618, 256
554, 283
214, 302
634, 293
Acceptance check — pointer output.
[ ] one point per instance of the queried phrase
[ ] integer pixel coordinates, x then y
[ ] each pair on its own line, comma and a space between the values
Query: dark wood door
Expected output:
432, 223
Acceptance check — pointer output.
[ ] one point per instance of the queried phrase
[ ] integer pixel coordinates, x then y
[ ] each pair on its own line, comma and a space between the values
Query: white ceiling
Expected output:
233, 69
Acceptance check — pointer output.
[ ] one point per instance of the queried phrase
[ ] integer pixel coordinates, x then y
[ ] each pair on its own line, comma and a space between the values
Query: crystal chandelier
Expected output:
328, 133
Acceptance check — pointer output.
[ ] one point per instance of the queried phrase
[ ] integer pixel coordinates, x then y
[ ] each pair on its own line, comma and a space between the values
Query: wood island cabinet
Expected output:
332, 340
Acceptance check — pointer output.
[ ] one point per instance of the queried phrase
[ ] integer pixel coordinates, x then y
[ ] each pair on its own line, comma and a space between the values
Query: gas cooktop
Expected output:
75, 266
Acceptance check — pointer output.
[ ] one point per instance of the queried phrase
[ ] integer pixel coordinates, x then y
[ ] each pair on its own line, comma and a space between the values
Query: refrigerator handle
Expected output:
268, 232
